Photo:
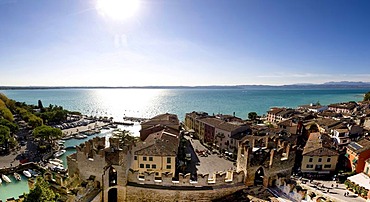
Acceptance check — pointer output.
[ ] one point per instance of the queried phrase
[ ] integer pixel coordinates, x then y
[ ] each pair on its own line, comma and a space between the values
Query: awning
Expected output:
346, 155
354, 161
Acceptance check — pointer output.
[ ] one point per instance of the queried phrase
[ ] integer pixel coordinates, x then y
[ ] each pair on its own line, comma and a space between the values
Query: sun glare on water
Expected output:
117, 9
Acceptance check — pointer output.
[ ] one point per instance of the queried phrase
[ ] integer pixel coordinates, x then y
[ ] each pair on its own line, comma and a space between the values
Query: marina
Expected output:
17, 188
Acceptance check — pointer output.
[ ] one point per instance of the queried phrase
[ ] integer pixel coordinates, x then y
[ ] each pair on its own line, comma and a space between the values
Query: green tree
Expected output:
367, 96
41, 192
252, 115
4, 134
34, 121
47, 133
12, 126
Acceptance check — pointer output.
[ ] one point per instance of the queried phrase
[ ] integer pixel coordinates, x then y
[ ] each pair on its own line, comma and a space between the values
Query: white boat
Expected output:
59, 153
1, 181
80, 136
6, 178
54, 163
27, 174
17, 176
57, 160
67, 137
34, 173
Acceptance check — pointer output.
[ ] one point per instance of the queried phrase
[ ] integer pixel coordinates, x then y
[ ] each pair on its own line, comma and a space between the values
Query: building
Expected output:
158, 153
166, 120
346, 108
318, 159
341, 137
192, 122
357, 153
313, 108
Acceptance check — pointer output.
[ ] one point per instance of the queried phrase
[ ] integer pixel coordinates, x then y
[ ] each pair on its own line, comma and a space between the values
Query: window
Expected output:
328, 159
309, 166
168, 159
327, 166
320, 159
141, 165
150, 158
147, 165
154, 166
310, 159
168, 167
135, 158
144, 158
367, 170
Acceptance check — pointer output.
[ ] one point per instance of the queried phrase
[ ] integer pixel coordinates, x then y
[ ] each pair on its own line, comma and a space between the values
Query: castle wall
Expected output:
165, 195
72, 165
223, 178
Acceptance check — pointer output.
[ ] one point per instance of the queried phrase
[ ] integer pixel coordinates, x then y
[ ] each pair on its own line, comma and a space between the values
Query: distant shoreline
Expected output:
257, 87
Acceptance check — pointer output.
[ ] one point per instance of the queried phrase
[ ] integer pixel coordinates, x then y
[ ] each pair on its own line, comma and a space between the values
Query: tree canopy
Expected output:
41, 192
367, 96
252, 115
47, 133
12, 126
4, 134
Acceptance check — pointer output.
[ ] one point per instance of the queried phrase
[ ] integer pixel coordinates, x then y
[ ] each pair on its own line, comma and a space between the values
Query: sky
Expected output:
183, 42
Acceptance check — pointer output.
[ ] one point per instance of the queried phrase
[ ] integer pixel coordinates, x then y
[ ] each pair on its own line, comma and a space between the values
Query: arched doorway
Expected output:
112, 195
258, 176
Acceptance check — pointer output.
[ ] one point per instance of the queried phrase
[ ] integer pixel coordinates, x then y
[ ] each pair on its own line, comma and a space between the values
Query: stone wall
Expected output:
216, 179
270, 154
135, 193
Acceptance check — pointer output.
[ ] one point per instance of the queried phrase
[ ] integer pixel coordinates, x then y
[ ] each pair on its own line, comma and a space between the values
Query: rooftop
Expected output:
360, 146
319, 145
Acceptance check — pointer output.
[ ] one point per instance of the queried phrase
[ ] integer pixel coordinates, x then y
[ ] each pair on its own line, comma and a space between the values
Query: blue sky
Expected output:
184, 42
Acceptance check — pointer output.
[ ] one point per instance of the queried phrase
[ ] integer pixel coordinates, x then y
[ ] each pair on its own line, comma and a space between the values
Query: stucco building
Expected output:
318, 158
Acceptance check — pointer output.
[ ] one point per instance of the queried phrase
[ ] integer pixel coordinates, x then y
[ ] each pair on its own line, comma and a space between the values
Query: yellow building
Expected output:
318, 158
156, 154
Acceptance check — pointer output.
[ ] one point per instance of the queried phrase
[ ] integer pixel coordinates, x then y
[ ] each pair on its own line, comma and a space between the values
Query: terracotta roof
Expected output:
318, 145
327, 122
211, 121
348, 105
275, 110
158, 144
164, 119
360, 146
344, 130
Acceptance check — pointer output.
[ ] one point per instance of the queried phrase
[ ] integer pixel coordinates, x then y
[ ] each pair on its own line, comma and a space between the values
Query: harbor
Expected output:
16, 189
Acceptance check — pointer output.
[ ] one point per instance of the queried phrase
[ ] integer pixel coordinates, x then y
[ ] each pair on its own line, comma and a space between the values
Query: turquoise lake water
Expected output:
118, 103
150, 102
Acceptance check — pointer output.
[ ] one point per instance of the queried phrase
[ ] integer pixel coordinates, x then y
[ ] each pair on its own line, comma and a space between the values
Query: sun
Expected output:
117, 9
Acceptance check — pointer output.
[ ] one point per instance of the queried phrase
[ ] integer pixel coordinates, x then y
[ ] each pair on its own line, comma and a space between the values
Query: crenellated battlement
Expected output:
216, 179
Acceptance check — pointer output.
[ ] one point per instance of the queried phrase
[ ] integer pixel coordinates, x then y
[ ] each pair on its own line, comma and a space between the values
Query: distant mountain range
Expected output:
332, 84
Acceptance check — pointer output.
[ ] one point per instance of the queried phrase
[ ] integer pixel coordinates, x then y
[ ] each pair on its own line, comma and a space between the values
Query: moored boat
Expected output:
67, 137
1, 181
6, 178
80, 136
17, 176
59, 153
27, 173
34, 173
57, 160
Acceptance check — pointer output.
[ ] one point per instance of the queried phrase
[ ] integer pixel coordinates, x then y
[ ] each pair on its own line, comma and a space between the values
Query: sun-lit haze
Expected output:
117, 9
182, 42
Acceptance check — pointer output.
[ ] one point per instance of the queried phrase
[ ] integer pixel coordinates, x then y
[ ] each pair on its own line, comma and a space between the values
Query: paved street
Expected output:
322, 187
210, 164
